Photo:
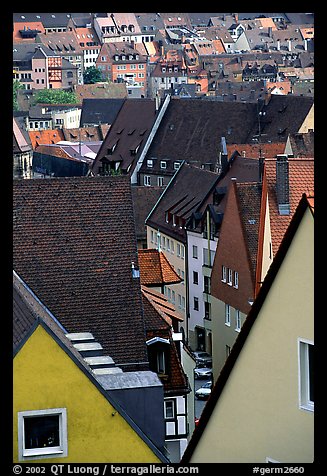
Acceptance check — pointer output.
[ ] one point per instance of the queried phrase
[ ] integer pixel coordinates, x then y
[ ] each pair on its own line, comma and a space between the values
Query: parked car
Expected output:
203, 372
204, 392
202, 357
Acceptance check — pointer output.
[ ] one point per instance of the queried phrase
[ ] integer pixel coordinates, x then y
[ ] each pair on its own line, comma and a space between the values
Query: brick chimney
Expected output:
282, 184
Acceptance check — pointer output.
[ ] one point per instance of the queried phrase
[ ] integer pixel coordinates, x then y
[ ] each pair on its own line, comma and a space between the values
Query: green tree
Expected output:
92, 75
54, 96
16, 85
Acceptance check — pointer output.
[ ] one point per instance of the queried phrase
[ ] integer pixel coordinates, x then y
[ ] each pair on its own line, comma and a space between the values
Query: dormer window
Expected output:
176, 165
149, 163
163, 164
163, 69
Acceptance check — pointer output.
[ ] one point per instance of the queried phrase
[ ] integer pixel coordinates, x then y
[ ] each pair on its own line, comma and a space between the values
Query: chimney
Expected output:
223, 155
235, 15
270, 31
282, 184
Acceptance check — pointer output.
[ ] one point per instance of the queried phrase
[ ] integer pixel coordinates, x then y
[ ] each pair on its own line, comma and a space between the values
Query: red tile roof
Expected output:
301, 180
155, 269
46, 136
166, 310
253, 150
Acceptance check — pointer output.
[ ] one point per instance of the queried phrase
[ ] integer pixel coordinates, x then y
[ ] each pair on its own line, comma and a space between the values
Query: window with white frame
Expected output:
227, 314
230, 277
169, 409
237, 320
160, 181
306, 394
224, 274
163, 242
168, 244
163, 164
42, 433
149, 163
235, 279
147, 180
172, 246
152, 236
178, 250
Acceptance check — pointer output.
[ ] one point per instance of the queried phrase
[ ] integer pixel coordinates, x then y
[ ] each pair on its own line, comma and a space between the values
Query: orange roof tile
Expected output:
307, 33
284, 87
166, 310
155, 269
252, 151
29, 25
46, 136
301, 180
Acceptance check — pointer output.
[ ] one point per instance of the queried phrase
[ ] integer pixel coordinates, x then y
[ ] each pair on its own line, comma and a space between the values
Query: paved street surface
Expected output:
199, 404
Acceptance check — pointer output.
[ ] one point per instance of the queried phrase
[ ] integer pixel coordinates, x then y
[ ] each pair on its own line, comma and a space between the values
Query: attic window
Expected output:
42, 433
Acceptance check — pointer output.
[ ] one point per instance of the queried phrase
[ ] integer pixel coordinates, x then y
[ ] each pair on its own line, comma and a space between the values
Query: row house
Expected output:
169, 72
163, 344
67, 46
150, 24
118, 27
167, 221
39, 67
267, 384
49, 116
90, 45
121, 62
203, 235
256, 217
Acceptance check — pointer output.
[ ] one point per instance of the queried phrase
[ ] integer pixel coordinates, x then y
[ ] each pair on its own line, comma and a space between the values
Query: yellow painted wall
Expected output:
258, 414
308, 122
46, 377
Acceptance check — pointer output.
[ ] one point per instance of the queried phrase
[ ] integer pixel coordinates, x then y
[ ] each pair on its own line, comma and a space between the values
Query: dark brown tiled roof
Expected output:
184, 194
24, 319
73, 244
302, 144
144, 199
249, 199
283, 115
127, 134
191, 130
155, 269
